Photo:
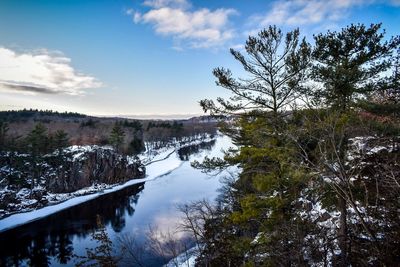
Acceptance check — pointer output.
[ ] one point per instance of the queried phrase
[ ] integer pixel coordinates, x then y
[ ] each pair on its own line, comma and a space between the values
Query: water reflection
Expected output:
35, 243
192, 150
54, 240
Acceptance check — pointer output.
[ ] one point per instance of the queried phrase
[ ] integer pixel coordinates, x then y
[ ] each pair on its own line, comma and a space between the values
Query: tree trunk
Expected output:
342, 233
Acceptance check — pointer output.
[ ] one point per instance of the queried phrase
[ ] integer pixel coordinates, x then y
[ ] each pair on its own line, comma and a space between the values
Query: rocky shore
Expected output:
73, 171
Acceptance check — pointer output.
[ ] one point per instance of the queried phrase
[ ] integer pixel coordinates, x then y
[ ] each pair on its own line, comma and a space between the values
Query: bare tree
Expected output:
133, 250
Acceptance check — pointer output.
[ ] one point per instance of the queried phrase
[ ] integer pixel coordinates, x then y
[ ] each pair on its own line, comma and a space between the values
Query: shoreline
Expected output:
159, 165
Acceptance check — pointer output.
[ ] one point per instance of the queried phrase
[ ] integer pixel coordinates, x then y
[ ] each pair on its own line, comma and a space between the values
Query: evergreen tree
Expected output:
271, 176
117, 136
136, 146
60, 140
276, 64
305, 157
37, 141
351, 63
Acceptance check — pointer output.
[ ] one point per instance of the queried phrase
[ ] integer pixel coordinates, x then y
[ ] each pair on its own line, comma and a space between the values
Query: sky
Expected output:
147, 57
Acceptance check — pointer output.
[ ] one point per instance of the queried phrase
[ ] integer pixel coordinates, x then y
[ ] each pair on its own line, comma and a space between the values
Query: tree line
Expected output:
24, 114
20, 152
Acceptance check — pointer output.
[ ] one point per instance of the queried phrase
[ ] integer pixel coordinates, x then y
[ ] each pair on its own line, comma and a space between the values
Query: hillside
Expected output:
43, 153
89, 130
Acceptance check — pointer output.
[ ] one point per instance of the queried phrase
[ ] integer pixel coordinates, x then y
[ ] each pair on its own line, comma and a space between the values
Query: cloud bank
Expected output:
199, 28
42, 72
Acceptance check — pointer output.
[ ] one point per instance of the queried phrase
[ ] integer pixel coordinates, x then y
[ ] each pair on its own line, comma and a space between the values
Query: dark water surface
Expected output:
130, 212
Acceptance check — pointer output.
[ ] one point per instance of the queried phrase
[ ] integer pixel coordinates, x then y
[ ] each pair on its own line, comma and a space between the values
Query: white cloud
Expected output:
303, 12
42, 72
199, 28
171, 3
239, 47
136, 16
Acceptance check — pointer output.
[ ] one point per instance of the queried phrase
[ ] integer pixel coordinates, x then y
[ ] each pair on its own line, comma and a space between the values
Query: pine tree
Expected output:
304, 154
276, 65
271, 178
117, 136
60, 140
37, 141
351, 63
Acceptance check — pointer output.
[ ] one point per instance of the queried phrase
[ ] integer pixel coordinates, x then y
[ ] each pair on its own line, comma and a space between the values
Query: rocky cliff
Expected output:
85, 166
27, 184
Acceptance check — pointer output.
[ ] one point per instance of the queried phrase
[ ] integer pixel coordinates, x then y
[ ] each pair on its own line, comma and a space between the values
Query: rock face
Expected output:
68, 170
26, 184
98, 165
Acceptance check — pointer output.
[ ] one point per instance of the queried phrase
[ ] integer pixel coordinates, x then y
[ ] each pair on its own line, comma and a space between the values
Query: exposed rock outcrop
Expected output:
26, 184
83, 167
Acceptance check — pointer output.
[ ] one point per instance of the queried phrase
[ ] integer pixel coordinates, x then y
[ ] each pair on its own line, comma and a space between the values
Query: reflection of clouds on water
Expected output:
53, 239
177, 200
169, 223
131, 211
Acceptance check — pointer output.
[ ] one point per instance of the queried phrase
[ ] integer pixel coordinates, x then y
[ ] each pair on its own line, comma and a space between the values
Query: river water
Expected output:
127, 215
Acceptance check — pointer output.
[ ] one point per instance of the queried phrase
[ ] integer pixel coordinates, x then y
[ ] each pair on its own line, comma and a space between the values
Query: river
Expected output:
127, 215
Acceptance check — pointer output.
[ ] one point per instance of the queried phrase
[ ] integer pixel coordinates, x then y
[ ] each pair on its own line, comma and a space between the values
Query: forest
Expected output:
317, 131
316, 128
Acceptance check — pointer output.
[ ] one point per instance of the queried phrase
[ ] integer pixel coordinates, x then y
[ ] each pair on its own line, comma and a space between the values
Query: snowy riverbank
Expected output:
158, 163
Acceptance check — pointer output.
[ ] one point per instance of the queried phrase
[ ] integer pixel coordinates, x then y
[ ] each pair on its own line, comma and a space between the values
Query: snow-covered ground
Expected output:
185, 259
326, 218
158, 163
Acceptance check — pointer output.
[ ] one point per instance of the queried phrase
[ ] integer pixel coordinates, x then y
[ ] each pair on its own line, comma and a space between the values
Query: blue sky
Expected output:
131, 57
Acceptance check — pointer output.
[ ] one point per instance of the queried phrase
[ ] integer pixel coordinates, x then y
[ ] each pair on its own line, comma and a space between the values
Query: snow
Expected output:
377, 149
365, 145
153, 171
258, 238
158, 163
159, 154
23, 193
79, 151
185, 259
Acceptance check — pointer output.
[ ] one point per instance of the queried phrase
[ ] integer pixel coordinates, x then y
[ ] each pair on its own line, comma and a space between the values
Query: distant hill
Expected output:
26, 114
88, 130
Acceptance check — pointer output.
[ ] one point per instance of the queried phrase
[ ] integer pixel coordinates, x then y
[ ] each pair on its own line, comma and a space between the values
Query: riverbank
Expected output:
158, 162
